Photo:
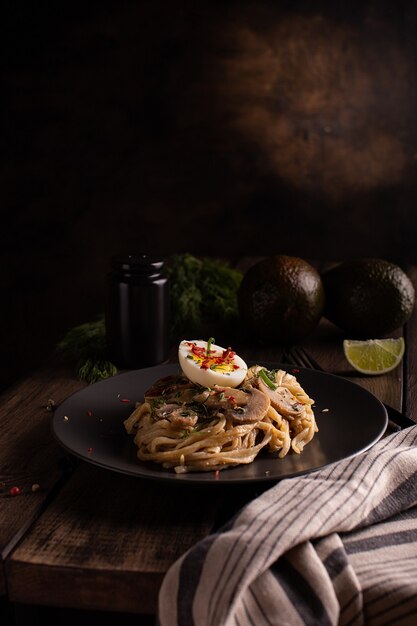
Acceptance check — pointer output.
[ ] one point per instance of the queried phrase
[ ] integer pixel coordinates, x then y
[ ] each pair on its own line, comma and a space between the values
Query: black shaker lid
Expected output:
137, 263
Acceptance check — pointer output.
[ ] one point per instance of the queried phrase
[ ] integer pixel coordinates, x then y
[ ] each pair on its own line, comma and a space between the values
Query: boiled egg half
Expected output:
206, 364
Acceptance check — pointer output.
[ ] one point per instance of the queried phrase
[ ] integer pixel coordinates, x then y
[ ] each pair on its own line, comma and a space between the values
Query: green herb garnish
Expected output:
157, 402
91, 371
85, 346
203, 293
263, 374
199, 408
209, 343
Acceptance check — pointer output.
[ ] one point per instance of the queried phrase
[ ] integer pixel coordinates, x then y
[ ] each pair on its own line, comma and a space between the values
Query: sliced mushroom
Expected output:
177, 414
282, 400
253, 410
223, 398
201, 396
169, 388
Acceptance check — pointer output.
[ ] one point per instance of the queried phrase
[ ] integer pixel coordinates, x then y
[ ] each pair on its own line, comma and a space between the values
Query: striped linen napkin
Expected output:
337, 546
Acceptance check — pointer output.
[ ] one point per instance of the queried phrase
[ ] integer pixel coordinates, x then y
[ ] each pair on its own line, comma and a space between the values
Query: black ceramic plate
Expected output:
89, 424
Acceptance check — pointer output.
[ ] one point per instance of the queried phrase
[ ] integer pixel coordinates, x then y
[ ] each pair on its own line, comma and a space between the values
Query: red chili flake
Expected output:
208, 360
216, 476
124, 400
199, 351
232, 400
295, 371
14, 491
89, 413
89, 450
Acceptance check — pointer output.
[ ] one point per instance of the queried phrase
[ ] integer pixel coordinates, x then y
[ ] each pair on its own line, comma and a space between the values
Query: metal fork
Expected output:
300, 357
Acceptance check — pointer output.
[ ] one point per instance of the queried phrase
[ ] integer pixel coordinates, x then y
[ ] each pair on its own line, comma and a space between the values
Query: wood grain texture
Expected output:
410, 387
29, 454
325, 345
105, 540
104, 533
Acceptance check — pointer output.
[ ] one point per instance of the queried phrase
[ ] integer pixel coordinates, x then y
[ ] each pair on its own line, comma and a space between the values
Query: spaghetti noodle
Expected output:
188, 427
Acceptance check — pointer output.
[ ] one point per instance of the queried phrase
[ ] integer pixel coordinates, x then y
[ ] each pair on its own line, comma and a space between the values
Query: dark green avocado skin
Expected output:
368, 298
281, 298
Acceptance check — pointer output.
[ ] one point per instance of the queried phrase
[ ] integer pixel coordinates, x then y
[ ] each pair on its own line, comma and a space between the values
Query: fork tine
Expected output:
290, 357
310, 360
293, 357
300, 357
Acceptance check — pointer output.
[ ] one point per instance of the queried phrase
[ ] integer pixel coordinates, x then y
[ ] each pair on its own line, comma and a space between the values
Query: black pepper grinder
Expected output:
137, 311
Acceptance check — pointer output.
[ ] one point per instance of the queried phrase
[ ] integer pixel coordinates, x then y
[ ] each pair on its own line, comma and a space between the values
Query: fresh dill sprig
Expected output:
85, 346
92, 371
203, 292
85, 340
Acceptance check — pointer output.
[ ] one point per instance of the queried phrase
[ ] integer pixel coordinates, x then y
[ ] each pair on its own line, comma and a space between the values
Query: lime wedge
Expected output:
374, 356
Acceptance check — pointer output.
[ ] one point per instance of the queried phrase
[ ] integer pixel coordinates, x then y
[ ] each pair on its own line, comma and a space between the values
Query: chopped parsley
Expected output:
157, 402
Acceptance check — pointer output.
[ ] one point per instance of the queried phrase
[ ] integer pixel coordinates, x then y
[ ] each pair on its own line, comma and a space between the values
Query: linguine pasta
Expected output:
188, 427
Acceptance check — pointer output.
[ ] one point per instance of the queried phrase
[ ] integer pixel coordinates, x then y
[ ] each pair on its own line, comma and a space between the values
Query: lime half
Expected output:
374, 356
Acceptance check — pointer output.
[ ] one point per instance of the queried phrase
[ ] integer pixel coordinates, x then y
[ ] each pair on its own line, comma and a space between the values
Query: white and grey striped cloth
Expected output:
337, 546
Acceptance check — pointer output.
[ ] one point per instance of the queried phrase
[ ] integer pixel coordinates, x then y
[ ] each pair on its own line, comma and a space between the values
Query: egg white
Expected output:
209, 377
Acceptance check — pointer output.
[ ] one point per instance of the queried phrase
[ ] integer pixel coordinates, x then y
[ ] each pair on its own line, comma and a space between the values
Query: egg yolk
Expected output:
207, 359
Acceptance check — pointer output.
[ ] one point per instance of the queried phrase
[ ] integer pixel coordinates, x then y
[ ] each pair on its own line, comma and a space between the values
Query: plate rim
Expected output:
203, 478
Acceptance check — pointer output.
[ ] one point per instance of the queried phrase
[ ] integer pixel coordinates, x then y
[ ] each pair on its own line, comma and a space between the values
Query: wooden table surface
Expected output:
89, 538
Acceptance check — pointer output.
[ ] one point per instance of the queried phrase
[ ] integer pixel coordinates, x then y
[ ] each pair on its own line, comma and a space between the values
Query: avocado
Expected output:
281, 298
368, 297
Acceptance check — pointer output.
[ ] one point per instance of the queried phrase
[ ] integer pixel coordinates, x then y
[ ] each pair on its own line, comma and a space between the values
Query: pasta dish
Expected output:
190, 426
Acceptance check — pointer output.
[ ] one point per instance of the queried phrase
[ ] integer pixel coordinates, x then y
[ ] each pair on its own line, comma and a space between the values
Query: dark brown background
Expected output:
218, 128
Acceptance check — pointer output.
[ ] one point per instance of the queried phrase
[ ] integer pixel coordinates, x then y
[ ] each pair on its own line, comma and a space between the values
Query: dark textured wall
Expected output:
221, 128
